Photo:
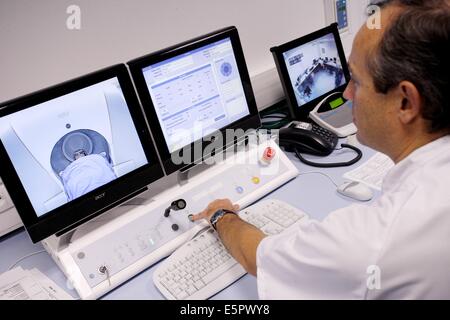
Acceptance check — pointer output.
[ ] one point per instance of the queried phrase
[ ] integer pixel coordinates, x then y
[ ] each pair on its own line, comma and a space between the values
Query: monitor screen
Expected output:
311, 68
314, 69
74, 143
195, 89
196, 93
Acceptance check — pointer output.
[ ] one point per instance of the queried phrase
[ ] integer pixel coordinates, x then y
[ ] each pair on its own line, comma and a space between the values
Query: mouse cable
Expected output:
29, 255
24, 257
332, 165
321, 173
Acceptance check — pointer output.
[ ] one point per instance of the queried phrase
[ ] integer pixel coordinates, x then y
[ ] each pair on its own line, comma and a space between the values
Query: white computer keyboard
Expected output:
202, 267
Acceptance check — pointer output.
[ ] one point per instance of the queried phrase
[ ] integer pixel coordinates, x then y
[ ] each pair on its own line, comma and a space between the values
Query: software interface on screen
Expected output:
72, 144
196, 93
314, 69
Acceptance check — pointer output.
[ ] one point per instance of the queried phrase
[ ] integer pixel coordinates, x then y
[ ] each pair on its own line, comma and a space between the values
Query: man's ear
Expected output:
411, 102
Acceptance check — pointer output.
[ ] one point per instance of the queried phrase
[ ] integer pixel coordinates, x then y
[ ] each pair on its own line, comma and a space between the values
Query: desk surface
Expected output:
302, 192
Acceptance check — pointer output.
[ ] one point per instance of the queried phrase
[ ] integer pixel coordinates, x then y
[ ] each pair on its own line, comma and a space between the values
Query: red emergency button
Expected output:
269, 154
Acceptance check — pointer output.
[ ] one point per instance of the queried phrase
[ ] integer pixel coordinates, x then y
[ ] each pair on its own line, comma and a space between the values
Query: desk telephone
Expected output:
308, 138
303, 137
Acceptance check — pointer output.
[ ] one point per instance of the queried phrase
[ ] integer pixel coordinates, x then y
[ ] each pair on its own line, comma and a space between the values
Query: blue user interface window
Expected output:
196, 93
341, 13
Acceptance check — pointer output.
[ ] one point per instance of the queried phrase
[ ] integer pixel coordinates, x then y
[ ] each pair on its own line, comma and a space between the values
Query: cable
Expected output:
274, 124
280, 107
269, 118
332, 165
275, 117
24, 257
321, 173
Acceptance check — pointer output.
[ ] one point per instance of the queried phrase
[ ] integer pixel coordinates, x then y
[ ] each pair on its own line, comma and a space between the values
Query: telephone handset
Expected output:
304, 137
308, 138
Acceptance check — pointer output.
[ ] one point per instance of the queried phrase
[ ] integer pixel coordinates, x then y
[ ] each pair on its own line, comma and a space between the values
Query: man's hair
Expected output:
415, 47
80, 152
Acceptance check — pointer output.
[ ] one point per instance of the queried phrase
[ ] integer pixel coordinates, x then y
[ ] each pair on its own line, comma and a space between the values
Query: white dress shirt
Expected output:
398, 247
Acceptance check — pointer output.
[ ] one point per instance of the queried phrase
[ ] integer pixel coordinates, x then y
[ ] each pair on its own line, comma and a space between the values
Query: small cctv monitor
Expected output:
192, 91
72, 151
311, 68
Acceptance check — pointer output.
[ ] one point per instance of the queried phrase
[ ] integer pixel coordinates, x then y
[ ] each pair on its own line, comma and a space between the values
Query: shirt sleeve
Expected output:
323, 260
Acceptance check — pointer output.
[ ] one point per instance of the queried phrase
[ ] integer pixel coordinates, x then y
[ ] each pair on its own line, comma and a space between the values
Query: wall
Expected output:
37, 49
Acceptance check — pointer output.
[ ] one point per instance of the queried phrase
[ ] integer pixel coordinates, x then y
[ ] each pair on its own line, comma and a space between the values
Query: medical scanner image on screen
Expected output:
196, 93
65, 147
314, 69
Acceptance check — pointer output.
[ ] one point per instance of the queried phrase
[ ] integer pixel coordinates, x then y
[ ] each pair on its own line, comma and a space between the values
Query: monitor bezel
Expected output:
302, 113
90, 205
251, 121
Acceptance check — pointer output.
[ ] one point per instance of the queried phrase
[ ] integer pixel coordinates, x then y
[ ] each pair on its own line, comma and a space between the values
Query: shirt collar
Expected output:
418, 158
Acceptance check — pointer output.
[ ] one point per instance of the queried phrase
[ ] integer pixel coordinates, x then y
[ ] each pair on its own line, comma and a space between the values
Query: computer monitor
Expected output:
311, 68
191, 91
75, 150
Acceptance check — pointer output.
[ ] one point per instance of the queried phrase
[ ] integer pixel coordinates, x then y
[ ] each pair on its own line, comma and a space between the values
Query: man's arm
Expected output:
239, 237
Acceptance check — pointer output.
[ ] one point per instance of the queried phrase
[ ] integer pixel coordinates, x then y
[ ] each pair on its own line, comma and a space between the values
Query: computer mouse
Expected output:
355, 190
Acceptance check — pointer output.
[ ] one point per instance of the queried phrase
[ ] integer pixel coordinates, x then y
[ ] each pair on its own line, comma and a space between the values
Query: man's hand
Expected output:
240, 238
213, 207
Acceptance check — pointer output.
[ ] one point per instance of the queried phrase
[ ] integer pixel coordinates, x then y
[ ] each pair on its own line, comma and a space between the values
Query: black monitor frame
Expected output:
302, 112
90, 205
251, 121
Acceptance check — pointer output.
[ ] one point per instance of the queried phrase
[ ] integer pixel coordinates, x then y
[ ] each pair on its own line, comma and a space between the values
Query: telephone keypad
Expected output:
323, 132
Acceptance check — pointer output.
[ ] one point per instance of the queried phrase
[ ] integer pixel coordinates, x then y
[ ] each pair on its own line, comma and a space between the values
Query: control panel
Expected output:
105, 258
139, 238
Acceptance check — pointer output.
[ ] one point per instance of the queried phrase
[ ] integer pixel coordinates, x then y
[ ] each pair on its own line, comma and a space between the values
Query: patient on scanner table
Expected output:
86, 173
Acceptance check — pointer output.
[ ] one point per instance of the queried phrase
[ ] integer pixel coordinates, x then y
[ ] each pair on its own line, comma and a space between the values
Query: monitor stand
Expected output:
126, 240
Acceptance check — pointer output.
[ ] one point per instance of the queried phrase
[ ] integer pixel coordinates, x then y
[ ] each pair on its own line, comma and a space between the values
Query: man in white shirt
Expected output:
398, 247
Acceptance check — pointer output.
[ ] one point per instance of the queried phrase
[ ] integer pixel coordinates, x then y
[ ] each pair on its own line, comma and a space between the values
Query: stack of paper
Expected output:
19, 284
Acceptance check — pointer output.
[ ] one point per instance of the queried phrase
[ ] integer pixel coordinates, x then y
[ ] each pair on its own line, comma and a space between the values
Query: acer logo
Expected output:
102, 195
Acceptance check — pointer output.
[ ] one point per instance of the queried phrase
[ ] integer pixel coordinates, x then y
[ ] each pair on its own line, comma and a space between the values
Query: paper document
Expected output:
372, 172
19, 284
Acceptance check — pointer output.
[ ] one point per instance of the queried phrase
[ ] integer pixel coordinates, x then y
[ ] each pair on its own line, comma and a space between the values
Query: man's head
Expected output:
79, 153
400, 76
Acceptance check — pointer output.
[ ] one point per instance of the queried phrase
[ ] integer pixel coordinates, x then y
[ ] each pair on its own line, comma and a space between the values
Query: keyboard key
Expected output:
199, 284
203, 266
182, 295
191, 290
222, 268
